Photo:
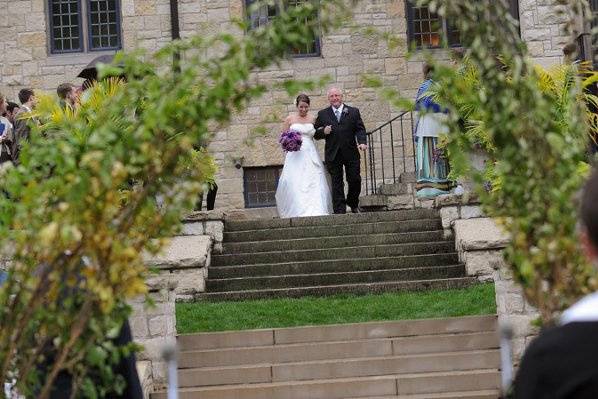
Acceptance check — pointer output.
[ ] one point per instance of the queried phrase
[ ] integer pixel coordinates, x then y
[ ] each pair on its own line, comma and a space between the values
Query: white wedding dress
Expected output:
303, 188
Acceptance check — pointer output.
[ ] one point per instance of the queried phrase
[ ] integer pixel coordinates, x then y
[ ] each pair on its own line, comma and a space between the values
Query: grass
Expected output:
271, 313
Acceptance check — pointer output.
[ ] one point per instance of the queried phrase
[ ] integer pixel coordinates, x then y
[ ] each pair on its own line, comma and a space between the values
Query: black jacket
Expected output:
345, 134
562, 363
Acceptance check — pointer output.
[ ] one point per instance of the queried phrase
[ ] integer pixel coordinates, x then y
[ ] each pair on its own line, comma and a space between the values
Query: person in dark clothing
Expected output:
343, 129
562, 363
210, 199
126, 368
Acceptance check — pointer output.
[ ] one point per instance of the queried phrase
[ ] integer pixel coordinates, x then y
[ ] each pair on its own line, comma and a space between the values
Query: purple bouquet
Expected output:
290, 140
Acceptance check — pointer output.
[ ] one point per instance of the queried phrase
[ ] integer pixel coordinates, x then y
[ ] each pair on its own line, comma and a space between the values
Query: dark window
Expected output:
428, 30
84, 25
264, 13
65, 26
260, 186
104, 25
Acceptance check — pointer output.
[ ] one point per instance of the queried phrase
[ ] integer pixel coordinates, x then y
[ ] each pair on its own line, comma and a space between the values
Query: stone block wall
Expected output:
184, 260
543, 29
480, 243
154, 327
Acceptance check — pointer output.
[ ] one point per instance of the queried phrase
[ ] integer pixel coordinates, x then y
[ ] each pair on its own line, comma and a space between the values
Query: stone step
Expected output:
340, 368
363, 229
420, 329
335, 265
338, 388
373, 202
354, 289
335, 253
350, 218
393, 189
285, 353
320, 279
485, 394
331, 242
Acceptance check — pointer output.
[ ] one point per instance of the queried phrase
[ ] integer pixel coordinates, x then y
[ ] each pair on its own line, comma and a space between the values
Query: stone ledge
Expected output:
183, 252
157, 283
478, 234
202, 216
467, 198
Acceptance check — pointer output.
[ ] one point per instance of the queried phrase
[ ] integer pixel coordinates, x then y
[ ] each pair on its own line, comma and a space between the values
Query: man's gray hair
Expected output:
333, 88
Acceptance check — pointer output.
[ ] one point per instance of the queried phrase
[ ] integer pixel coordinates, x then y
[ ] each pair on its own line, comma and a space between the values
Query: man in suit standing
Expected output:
562, 363
342, 128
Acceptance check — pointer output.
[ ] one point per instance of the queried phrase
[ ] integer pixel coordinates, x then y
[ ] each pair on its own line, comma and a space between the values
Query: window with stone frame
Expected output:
78, 26
262, 15
426, 29
260, 185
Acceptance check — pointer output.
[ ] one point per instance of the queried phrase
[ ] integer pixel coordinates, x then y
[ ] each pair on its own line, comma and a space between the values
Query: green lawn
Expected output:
222, 316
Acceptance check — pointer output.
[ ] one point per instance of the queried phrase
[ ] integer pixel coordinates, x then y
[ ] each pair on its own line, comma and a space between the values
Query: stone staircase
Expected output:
423, 359
353, 253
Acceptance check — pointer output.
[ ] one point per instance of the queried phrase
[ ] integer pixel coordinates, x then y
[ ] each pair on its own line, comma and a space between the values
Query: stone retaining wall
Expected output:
479, 241
154, 327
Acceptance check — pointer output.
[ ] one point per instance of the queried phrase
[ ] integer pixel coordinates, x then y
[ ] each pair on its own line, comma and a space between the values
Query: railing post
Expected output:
392, 150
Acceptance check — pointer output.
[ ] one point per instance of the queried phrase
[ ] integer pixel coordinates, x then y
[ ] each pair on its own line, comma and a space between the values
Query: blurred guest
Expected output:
23, 118
6, 133
68, 95
11, 111
431, 164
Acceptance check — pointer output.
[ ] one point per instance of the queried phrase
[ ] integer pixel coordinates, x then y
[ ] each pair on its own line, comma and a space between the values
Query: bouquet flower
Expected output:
290, 140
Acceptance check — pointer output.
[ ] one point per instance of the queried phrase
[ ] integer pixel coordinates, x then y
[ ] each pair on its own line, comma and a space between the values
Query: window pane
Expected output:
453, 35
260, 186
425, 26
264, 14
64, 21
104, 24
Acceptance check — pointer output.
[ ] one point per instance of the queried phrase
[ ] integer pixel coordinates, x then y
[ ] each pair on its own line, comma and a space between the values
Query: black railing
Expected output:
390, 152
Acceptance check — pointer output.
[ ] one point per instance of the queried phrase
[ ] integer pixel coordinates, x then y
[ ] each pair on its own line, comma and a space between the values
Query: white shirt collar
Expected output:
339, 108
27, 108
584, 310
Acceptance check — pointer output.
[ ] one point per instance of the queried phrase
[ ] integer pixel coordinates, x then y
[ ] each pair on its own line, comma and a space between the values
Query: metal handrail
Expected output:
376, 169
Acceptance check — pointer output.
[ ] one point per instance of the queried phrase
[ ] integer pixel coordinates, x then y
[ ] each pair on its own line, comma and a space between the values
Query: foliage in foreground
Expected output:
272, 313
538, 137
80, 209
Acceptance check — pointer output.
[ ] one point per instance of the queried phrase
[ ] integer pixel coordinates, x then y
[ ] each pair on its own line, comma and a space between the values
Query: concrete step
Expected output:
350, 218
335, 253
485, 394
284, 353
334, 265
338, 388
416, 329
327, 230
373, 202
354, 289
340, 368
319, 279
332, 242
393, 189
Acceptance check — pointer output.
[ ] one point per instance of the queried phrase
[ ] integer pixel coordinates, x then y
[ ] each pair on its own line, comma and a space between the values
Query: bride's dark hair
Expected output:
302, 98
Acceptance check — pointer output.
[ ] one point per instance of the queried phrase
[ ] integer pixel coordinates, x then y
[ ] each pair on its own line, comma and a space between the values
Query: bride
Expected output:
303, 188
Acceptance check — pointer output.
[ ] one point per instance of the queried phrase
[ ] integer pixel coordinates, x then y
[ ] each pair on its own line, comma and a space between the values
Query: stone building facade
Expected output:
29, 59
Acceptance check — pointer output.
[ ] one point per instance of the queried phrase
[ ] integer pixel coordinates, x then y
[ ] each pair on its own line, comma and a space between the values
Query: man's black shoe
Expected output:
356, 210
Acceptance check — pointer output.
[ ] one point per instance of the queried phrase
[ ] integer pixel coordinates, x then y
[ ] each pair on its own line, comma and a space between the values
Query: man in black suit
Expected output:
562, 363
342, 128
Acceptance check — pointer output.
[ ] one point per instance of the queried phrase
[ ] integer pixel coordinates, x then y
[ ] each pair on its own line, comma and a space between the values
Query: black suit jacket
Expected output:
345, 134
562, 363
